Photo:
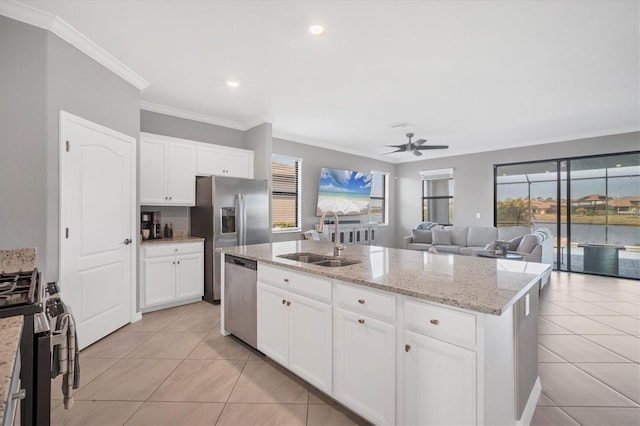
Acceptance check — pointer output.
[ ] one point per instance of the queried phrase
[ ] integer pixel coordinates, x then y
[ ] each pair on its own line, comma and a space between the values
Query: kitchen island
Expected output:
403, 337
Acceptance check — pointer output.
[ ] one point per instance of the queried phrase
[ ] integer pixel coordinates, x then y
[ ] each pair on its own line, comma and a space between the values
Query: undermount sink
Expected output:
319, 259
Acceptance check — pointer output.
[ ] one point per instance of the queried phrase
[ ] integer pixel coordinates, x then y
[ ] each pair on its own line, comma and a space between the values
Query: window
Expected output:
591, 205
285, 193
378, 207
437, 196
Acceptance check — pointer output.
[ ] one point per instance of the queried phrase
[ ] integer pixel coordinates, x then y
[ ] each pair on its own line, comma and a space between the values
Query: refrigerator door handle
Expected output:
241, 217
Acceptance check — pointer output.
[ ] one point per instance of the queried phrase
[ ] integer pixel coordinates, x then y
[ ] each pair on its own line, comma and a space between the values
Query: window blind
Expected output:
285, 174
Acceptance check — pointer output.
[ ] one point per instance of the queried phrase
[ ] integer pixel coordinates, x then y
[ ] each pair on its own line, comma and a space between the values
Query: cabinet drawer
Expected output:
447, 324
307, 284
172, 249
358, 298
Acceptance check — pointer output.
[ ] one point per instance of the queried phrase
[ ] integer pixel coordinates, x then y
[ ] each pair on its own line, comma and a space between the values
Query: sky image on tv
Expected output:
346, 192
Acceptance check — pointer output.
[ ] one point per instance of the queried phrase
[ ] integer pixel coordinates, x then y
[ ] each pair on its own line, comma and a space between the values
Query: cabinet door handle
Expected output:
170, 198
284, 301
434, 322
127, 241
407, 348
173, 263
286, 280
178, 262
288, 303
361, 301
361, 321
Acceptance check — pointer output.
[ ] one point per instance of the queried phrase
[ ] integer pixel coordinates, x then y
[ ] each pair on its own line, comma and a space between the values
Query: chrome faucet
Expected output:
337, 248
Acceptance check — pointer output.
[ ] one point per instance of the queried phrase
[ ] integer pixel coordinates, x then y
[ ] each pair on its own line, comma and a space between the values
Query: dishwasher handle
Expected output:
239, 261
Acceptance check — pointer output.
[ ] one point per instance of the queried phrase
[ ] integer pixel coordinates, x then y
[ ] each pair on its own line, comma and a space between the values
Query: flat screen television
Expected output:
346, 192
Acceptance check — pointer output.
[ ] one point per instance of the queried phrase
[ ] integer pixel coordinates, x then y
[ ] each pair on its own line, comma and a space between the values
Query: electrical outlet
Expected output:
477, 215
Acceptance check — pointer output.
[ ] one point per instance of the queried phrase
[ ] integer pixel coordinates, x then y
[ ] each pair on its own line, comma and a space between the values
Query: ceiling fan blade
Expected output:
420, 141
432, 147
403, 146
417, 153
393, 152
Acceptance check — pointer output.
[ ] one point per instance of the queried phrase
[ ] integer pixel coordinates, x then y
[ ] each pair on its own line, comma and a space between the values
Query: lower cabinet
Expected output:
365, 365
439, 382
171, 274
295, 331
393, 359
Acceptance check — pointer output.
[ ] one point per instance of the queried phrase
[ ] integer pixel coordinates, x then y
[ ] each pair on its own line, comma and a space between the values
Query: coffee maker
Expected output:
150, 225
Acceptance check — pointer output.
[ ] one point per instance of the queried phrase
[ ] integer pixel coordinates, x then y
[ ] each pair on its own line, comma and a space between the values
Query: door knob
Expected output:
127, 241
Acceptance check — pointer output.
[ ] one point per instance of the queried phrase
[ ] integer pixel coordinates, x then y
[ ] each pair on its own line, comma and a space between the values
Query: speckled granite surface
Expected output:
10, 330
178, 239
16, 260
479, 284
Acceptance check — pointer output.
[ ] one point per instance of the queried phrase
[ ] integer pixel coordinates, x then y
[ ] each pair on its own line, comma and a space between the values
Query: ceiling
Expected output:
474, 75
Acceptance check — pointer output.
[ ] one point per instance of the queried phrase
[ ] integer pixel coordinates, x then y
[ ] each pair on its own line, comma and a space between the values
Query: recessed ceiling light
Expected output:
316, 29
618, 165
232, 83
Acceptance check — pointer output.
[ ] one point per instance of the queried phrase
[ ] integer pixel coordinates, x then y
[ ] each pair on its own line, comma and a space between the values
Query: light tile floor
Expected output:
588, 351
174, 368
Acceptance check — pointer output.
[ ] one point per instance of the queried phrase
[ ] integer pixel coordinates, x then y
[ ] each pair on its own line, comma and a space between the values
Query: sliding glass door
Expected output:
605, 216
590, 204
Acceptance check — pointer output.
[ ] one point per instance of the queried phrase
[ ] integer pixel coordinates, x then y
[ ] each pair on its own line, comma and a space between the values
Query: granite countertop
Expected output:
10, 331
17, 260
181, 239
475, 283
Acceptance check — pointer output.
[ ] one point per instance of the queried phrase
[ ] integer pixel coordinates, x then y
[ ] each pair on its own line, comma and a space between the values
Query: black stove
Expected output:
23, 293
19, 293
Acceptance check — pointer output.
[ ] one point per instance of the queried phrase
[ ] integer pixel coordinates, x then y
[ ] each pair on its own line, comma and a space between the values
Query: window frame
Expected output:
298, 228
384, 198
440, 174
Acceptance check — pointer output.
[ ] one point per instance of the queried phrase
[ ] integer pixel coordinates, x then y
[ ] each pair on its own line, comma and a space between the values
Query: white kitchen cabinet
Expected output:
171, 274
273, 323
439, 382
167, 171
224, 161
295, 323
365, 365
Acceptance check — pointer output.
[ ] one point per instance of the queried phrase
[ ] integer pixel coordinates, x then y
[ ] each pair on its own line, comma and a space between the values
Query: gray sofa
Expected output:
535, 245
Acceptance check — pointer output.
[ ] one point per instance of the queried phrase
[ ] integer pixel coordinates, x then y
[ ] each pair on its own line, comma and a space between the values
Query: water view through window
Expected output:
591, 205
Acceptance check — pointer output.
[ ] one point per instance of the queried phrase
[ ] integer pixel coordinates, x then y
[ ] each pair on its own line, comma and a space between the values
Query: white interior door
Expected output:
97, 218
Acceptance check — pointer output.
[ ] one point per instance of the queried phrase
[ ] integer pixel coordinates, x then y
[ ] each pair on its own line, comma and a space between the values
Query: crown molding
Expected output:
298, 139
204, 118
33, 16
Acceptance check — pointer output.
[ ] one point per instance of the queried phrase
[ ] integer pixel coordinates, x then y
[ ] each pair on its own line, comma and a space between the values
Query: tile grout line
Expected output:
224, 406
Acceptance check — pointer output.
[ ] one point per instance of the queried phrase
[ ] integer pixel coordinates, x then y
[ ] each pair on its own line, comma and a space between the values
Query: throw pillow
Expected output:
528, 243
421, 236
441, 237
512, 243
426, 225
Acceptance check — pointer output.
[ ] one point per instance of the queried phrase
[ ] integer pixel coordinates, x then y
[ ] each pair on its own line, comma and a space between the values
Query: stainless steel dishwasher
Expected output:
240, 294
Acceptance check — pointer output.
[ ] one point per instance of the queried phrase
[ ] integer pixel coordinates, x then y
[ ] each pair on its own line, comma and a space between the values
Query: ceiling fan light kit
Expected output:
415, 147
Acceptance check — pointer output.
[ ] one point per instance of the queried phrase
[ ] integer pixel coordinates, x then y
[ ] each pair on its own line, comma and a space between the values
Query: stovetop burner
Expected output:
18, 289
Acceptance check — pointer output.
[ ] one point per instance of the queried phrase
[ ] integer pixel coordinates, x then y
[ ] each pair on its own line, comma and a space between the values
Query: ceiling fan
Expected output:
416, 146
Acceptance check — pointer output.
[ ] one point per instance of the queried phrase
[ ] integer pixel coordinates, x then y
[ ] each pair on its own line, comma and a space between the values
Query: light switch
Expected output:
478, 215
526, 305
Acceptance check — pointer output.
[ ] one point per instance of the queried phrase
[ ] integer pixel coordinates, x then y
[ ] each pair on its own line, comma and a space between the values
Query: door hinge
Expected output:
67, 146
66, 232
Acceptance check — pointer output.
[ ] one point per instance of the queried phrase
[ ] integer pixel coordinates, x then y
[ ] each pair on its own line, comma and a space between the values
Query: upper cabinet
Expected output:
168, 167
224, 161
167, 171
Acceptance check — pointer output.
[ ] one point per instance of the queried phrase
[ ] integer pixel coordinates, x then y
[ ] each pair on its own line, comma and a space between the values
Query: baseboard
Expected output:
530, 408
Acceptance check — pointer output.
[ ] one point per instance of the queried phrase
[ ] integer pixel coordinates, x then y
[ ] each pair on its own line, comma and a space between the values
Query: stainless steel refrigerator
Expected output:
228, 212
